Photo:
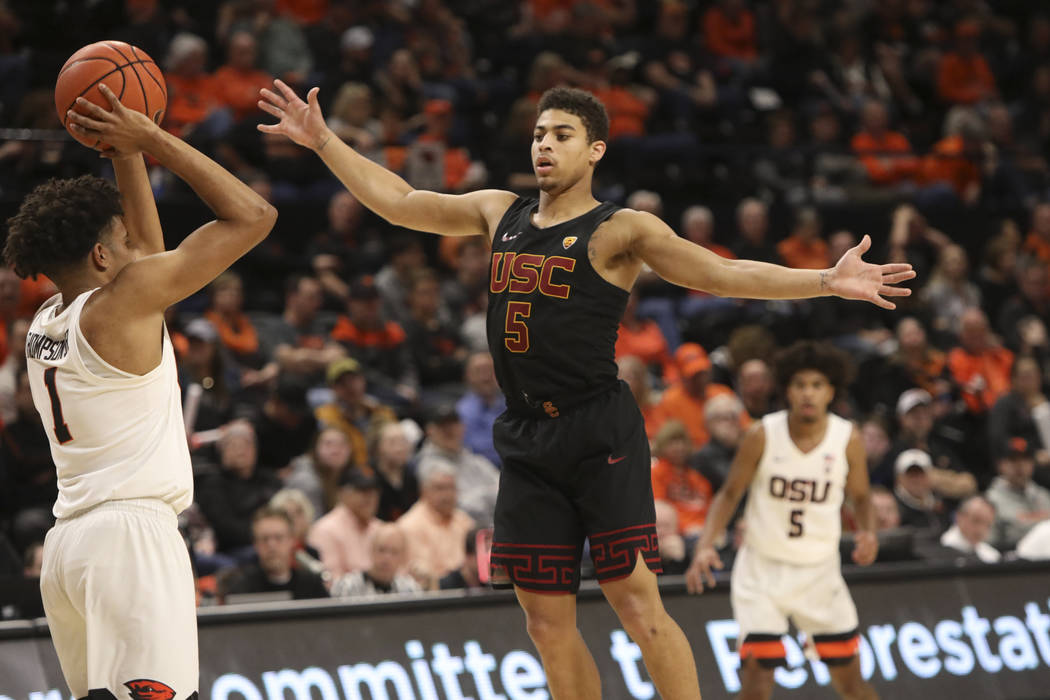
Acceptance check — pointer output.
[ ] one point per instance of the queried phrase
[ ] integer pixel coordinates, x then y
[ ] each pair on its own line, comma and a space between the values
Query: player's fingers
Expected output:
273, 97
114, 101
311, 98
288, 94
709, 577
862, 247
897, 277
83, 121
270, 108
894, 291
879, 301
269, 128
91, 109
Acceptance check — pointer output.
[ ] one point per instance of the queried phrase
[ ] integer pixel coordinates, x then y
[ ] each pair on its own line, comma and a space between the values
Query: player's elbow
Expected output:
260, 219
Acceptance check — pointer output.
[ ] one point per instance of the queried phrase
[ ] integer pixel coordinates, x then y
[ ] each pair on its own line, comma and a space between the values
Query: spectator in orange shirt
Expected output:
963, 76
633, 371
1038, 241
239, 81
729, 31
676, 482
886, 155
455, 172
698, 226
953, 161
980, 366
804, 248
236, 331
642, 338
305, 12
194, 101
685, 400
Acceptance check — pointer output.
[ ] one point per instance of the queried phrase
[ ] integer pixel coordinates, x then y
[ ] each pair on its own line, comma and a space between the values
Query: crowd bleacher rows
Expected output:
338, 376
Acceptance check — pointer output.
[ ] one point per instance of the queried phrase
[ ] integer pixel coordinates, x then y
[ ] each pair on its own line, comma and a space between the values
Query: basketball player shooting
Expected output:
572, 441
798, 466
116, 580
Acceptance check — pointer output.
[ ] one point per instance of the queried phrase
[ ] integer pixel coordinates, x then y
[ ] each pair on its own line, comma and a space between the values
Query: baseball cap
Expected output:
1017, 446
912, 398
340, 367
201, 329
364, 289
692, 359
443, 413
360, 479
912, 458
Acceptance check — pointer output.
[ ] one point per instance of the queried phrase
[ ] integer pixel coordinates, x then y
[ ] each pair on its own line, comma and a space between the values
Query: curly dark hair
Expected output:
58, 223
581, 103
807, 354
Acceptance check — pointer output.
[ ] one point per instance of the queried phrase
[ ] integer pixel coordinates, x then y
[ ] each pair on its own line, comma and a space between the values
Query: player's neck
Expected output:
806, 429
562, 206
74, 285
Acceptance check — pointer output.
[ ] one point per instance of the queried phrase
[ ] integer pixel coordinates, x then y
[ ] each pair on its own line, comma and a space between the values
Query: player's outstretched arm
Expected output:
858, 490
243, 218
384, 192
741, 474
689, 265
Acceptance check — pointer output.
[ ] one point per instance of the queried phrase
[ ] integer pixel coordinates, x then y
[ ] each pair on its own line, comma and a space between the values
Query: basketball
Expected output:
126, 70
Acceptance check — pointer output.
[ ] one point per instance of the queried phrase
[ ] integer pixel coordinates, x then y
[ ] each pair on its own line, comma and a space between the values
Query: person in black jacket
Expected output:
274, 570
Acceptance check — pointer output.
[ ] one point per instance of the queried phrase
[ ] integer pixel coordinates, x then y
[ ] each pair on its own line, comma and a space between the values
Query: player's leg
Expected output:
665, 650
137, 590
551, 623
848, 682
66, 622
756, 679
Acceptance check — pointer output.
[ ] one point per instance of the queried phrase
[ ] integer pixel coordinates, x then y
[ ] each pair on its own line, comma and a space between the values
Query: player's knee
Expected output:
545, 629
639, 616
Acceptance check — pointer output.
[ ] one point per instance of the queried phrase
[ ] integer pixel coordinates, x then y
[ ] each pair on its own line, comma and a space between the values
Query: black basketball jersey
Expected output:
552, 319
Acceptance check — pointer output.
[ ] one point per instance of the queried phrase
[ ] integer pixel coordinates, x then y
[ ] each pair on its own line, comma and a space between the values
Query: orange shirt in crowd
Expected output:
345, 545
435, 544
457, 162
239, 337
964, 80
983, 378
687, 490
239, 90
1037, 246
730, 38
654, 417
303, 11
647, 343
878, 156
678, 404
190, 100
33, 293
627, 113
388, 337
947, 162
803, 255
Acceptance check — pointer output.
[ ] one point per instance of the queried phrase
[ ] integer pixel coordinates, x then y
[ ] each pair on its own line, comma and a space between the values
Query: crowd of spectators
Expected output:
338, 392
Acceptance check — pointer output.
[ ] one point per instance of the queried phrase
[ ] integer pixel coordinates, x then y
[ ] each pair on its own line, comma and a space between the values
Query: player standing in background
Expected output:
572, 441
798, 465
116, 579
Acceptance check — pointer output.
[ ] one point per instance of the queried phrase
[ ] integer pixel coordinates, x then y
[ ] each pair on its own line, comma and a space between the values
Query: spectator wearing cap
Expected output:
979, 365
675, 482
479, 407
297, 343
239, 81
377, 342
286, 426
477, 479
1023, 411
435, 527
391, 452
963, 75
317, 473
229, 496
386, 574
972, 528
434, 342
466, 577
205, 365
1019, 502
685, 399
343, 536
274, 569
353, 411
919, 506
917, 431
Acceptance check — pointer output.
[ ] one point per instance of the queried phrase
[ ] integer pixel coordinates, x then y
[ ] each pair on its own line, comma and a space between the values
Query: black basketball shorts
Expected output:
585, 473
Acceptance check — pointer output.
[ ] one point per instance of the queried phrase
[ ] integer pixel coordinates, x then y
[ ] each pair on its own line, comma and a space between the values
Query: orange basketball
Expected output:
126, 70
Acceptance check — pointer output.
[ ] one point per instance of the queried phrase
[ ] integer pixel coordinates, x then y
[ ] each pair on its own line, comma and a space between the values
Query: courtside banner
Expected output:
976, 633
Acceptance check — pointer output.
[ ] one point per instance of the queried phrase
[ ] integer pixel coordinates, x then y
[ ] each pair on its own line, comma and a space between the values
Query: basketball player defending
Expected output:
116, 579
575, 456
799, 464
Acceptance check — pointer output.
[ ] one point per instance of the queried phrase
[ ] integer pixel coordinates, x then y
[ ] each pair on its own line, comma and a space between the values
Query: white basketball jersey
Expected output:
793, 507
113, 437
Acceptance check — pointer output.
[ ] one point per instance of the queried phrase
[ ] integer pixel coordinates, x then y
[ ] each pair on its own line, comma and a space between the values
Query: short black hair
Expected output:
582, 104
58, 223
807, 354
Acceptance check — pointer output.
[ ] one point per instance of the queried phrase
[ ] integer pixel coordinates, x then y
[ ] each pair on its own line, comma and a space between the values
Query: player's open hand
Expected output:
865, 547
119, 131
852, 278
300, 121
700, 570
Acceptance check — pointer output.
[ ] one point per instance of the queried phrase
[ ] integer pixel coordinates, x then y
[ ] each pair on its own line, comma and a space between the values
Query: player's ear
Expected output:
597, 151
100, 256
